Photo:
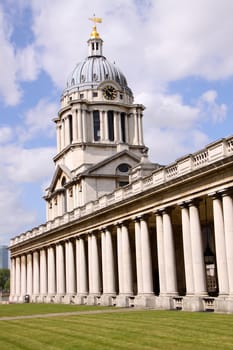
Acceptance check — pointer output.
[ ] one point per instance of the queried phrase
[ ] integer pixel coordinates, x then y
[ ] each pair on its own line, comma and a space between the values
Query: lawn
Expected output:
136, 330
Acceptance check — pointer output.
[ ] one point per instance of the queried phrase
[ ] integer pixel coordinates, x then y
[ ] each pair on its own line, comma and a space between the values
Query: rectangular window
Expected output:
123, 127
110, 125
70, 128
96, 124
95, 94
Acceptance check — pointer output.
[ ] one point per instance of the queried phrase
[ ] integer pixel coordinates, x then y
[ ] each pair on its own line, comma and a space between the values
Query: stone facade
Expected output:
121, 230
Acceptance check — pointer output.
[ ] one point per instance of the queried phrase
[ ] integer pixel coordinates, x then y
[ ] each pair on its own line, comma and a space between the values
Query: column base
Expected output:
93, 299
223, 304
125, 300
165, 302
193, 302
108, 299
145, 300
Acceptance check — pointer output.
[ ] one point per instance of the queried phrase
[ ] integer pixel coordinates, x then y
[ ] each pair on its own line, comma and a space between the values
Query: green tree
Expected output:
4, 279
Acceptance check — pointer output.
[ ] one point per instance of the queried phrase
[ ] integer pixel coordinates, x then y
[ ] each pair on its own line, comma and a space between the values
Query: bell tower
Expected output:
98, 122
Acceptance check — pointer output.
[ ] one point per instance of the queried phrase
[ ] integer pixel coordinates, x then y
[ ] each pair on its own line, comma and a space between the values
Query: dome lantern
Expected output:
95, 43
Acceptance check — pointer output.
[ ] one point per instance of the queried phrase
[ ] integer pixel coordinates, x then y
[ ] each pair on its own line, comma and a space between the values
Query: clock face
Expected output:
109, 92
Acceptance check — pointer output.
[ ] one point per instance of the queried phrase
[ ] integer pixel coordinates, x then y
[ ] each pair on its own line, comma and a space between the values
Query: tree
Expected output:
4, 279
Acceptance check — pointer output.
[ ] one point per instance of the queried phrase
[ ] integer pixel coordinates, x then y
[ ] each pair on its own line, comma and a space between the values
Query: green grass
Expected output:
137, 330
32, 309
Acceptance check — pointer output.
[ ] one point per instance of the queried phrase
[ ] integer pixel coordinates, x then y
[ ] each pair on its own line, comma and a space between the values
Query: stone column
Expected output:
95, 266
58, 129
147, 276
60, 269
126, 261
82, 282
169, 250
63, 134
43, 272
110, 273
161, 255
120, 259
79, 125
67, 131
29, 274
70, 268
141, 141
105, 120
84, 125
75, 125
197, 250
51, 271
136, 136
90, 263
220, 246
36, 273
127, 128
187, 248
228, 227
102, 126
138, 248
116, 126
23, 276
104, 266
12, 279
17, 277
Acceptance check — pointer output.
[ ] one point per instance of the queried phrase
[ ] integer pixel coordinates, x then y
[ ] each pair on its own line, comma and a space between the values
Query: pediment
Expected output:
60, 172
109, 165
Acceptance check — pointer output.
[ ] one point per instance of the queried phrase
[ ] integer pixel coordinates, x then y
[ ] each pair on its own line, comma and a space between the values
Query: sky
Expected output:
177, 56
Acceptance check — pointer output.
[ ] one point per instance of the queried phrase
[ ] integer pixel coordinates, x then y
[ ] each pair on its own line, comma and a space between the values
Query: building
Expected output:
3, 257
121, 230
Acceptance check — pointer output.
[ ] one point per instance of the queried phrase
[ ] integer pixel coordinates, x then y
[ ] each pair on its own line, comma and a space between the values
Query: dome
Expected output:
93, 71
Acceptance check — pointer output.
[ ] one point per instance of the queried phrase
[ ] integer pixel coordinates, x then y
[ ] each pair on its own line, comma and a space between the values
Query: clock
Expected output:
109, 92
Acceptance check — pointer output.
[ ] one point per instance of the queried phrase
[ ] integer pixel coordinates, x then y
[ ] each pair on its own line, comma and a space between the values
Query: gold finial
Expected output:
94, 33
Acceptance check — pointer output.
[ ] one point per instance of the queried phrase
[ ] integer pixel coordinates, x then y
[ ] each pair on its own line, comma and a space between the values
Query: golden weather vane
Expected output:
94, 33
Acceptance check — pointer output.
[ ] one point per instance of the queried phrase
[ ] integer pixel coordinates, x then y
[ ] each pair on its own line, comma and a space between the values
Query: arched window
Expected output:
96, 124
64, 197
122, 172
110, 125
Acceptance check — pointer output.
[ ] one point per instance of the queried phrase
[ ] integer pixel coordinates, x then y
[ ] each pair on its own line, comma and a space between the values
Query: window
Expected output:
70, 128
122, 172
123, 168
123, 127
110, 125
64, 199
97, 46
81, 96
96, 124
95, 94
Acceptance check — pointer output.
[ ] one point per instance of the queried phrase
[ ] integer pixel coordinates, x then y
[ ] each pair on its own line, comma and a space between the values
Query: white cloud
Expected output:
26, 165
9, 89
210, 108
38, 120
172, 128
6, 134
27, 63
14, 216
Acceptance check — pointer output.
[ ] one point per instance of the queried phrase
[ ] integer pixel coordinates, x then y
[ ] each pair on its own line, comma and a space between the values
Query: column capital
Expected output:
193, 202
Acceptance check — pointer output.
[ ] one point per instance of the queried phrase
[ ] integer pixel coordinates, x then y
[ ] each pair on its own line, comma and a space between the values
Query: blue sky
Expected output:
178, 60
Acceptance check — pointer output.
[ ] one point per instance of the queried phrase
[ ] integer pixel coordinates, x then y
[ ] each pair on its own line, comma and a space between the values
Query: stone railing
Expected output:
213, 152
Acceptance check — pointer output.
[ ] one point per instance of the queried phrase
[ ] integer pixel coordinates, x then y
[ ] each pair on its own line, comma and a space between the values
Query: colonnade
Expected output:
116, 263
75, 125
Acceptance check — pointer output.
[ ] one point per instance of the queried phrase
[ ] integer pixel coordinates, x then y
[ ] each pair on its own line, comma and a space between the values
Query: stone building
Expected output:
121, 230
